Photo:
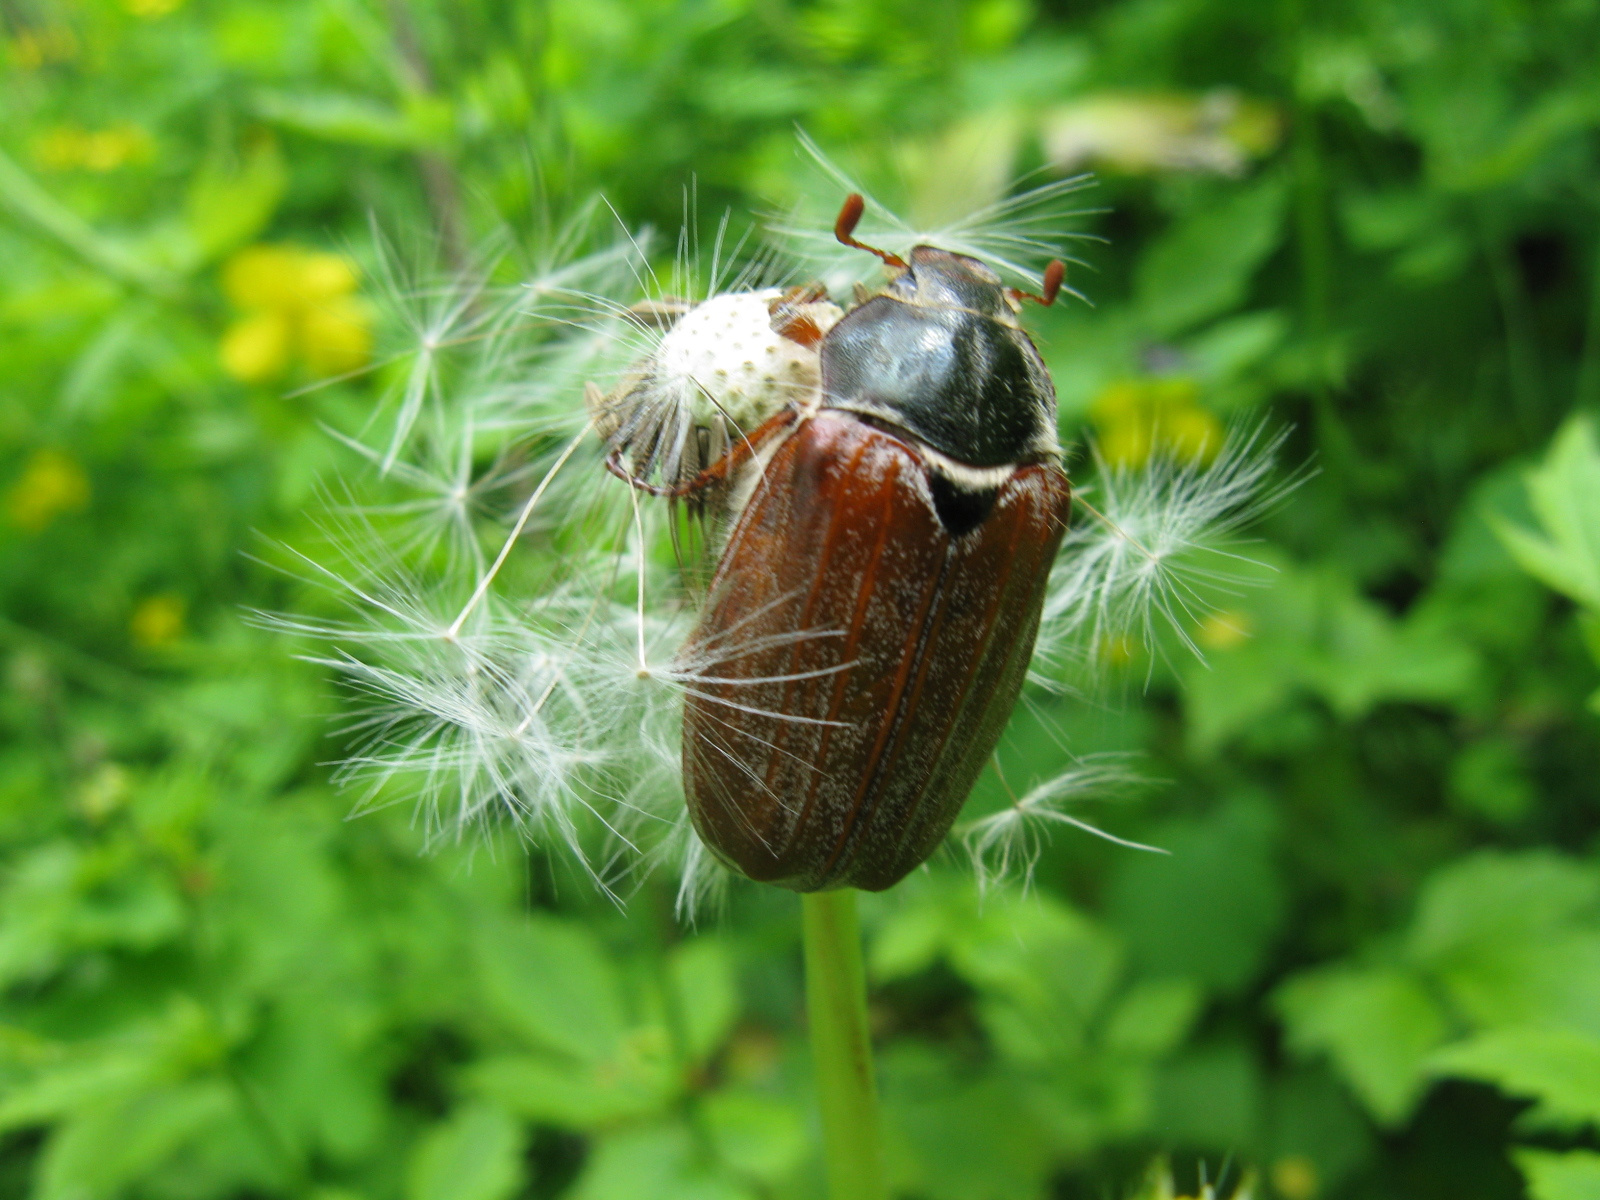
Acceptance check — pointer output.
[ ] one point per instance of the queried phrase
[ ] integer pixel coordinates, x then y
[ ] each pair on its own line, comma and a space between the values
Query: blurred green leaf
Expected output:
104, 1149
1574, 1175
1558, 1067
475, 1155
1565, 494
757, 1136
228, 204
707, 996
656, 1161
1209, 909
553, 983
1378, 1026
1201, 267
554, 1092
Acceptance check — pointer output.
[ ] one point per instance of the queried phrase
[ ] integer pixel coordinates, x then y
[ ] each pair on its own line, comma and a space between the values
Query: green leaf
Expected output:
1574, 1175
968, 1138
1152, 1017
1514, 939
552, 981
1499, 897
660, 1162
228, 204
342, 117
708, 997
1209, 1096
1042, 972
475, 1155
1558, 1067
572, 1095
1201, 267
759, 1136
100, 1152
1377, 1025
1564, 492
1208, 911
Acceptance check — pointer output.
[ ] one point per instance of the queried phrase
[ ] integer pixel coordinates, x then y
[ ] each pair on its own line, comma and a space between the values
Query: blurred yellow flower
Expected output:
294, 301
1294, 1177
70, 147
151, 9
35, 48
1137, 418
1118, 651
157, 621
104, 791
1218, 132
256, 347
1223, 630
52, 483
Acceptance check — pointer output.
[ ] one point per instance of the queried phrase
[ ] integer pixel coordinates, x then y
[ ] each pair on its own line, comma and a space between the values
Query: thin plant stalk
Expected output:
836, 1003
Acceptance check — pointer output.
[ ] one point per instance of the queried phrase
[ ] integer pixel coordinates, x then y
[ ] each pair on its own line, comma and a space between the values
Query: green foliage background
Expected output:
1371, 965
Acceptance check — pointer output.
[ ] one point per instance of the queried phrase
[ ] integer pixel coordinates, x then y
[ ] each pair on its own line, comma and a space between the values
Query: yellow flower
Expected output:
336, 336
51, 484
151, 9
1223, 630
1137, 418
103, 792
296, 303
1294, 1177
71, 148
157, 621
35, 48
256, 348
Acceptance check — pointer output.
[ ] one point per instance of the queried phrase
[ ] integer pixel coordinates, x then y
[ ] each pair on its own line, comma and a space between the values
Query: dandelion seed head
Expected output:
516, 626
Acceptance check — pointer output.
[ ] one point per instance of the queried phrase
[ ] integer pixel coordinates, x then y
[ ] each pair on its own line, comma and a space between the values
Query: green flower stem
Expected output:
836, 1003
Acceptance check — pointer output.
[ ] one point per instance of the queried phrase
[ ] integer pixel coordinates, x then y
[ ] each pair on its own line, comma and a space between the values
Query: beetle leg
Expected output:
791, 318
1054, 276
717, 472
849, 217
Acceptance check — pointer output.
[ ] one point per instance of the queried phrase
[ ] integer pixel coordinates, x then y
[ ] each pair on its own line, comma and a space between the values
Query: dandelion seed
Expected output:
1158, 544
1007, 844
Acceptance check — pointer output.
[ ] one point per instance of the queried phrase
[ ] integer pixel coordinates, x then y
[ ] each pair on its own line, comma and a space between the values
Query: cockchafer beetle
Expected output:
874, 607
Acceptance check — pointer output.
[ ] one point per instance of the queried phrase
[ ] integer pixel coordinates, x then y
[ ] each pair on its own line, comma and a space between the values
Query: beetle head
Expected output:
943, 279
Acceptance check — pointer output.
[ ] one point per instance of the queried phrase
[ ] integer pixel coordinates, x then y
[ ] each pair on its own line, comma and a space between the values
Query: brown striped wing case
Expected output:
855, 663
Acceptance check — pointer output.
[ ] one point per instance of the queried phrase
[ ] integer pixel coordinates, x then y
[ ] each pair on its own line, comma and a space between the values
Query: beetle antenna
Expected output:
849, 217
1054, 276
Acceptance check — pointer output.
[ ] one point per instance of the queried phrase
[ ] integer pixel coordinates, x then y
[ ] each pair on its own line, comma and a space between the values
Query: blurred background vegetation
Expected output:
1370, 966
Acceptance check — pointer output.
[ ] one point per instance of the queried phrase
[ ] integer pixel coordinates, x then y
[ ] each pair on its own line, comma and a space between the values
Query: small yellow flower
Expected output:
157, 621
1223, 630
71, 148
1137, 418
256, 348
336, 336
1118, 651
103, 792
35, 48
1294, 1177
52, 483
151, 9
296, 303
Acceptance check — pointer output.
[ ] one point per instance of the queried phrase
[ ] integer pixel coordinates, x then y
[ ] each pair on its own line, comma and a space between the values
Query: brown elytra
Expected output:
855, 663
